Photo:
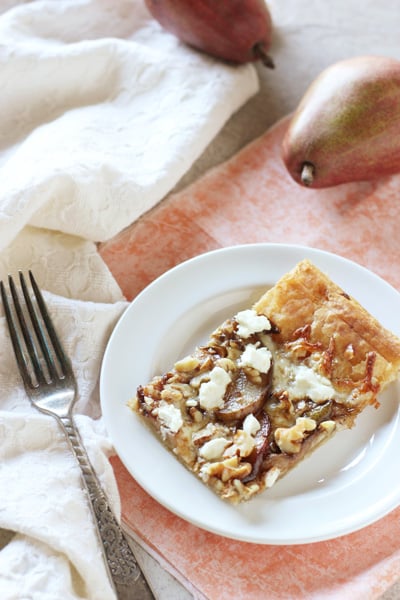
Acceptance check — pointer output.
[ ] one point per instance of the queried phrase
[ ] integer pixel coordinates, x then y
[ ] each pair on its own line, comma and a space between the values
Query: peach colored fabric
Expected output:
359, 566
251, 198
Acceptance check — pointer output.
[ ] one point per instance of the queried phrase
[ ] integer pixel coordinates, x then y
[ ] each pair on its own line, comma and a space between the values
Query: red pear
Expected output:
237, 31
347, 125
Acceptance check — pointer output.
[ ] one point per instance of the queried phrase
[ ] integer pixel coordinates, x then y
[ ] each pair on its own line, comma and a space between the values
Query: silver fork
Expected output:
51, 387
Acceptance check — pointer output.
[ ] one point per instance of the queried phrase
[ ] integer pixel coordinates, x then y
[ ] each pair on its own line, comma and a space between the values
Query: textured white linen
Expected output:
101, 114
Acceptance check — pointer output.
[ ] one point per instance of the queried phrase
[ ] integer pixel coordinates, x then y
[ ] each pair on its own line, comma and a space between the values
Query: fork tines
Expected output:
37, 349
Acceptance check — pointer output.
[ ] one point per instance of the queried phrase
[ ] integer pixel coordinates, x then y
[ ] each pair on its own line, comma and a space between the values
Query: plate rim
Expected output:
296, 249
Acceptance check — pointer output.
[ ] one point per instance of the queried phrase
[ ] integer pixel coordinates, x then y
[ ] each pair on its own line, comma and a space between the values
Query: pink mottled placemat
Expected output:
250, 199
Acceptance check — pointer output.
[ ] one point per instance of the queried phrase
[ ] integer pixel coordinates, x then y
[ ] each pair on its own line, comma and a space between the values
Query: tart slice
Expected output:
271, 384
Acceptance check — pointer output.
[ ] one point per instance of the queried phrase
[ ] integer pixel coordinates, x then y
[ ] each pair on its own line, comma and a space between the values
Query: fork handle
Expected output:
122, 567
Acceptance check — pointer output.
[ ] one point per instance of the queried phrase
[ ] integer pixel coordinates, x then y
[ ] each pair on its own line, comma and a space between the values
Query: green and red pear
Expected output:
237, 31
347, 125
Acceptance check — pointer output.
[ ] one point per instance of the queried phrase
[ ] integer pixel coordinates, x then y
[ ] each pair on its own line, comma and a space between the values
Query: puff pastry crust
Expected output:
271, 384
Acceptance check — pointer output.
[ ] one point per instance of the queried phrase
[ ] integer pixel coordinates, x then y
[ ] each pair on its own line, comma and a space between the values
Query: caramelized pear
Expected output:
347, 125
245, 397
237, 31
261, 447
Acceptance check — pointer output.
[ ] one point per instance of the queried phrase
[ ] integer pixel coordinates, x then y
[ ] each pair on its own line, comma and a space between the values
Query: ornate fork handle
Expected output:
50, 384
120, 561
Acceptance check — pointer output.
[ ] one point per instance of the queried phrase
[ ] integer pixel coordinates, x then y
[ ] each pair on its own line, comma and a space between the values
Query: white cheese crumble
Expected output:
271, 476
308, 383
212, 392
214, 448
251, 425
257, 358
170, 416
250, 322
191, 402
148, 401
300, 380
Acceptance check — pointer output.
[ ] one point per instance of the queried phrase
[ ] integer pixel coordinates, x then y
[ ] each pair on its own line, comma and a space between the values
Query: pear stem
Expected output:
307, 173
260, 53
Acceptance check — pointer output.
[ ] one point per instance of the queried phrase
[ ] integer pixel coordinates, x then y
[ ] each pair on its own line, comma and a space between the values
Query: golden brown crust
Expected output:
344, 329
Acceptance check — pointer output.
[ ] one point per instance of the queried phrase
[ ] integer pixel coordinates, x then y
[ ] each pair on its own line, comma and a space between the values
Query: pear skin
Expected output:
238, 31
347, 125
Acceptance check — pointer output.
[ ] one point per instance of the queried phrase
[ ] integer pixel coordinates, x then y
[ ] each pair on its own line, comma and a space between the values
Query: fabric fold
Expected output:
46, 505
101, 113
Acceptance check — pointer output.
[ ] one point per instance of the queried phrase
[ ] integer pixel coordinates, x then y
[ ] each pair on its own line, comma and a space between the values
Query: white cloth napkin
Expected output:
101, 113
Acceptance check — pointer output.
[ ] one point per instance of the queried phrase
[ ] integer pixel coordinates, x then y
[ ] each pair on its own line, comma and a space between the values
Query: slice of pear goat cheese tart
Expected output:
271, 384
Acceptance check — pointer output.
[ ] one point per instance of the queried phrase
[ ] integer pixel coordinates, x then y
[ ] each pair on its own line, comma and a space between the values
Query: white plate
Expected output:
350, 482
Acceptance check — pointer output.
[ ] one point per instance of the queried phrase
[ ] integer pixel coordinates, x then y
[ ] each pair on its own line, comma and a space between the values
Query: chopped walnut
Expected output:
226, 363
243, 444
203, 435
183, 388
327, 426
189, 363
197, 380
172, 394
289, 439
245, 490
234, 351
253, 375
196, 414
230, 468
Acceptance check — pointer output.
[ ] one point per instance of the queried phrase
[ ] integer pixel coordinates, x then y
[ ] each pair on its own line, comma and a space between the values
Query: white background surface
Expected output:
309, 35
